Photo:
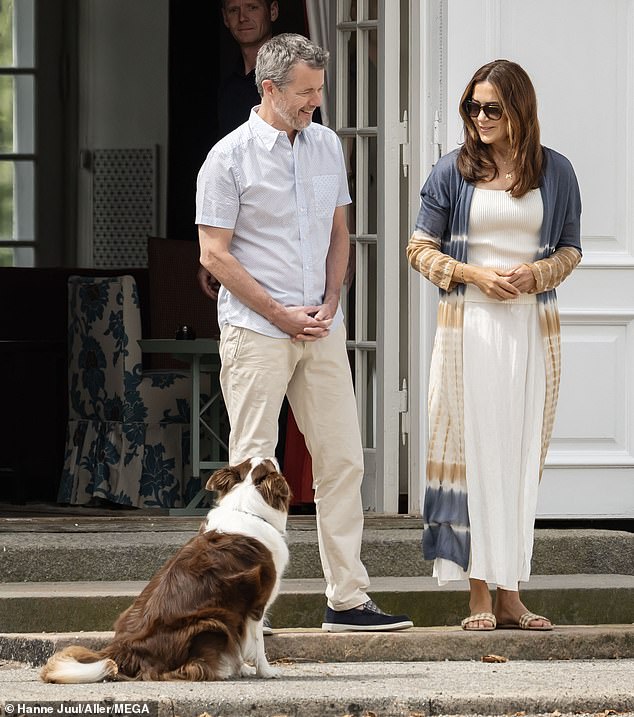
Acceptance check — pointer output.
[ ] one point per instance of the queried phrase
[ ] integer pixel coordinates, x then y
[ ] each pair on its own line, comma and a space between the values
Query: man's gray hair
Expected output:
277, 57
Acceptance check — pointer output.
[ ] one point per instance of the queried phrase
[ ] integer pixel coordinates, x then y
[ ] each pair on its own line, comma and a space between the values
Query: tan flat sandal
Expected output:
524, 623
476, 618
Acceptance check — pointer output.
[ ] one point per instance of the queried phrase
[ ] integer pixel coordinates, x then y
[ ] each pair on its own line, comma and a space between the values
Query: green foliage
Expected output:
6, 200
6, 33
6, 256
6, 83
6, 129
6, 114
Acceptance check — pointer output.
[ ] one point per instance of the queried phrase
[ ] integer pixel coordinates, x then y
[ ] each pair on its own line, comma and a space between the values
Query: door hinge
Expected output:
403, 409
86, 159
404, 142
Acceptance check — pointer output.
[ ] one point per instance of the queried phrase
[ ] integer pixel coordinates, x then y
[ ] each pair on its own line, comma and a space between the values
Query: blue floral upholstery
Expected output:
128, 431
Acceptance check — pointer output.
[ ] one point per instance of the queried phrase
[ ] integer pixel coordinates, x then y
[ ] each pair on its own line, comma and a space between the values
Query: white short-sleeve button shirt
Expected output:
279, 198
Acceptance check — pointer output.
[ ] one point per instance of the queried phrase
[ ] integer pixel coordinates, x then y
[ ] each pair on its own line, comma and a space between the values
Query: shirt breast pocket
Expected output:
325, 192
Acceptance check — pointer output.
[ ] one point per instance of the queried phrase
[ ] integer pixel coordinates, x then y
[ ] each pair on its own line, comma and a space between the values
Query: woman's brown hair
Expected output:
519, 102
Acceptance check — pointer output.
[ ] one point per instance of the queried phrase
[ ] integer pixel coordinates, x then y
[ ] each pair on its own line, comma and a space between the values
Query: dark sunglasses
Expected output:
491, 109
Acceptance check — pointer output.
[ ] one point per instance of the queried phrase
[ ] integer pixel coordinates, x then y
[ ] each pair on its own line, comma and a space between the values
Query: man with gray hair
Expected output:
270, 209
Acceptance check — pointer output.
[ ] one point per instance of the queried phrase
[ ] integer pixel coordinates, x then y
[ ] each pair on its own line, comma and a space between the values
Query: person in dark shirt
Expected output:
250, 23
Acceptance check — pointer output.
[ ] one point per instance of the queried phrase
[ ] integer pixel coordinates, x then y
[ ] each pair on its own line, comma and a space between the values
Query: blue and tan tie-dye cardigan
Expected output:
437, 246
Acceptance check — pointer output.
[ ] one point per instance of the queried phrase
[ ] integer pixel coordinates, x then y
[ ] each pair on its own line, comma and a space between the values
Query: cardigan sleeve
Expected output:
562, 187
550, 272
436, 203
571, 230
424, 254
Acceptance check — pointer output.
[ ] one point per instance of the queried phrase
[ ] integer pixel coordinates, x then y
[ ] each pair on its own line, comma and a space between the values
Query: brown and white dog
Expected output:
201, 616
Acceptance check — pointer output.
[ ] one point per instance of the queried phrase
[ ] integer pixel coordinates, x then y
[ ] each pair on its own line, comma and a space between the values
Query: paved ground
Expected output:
392, 689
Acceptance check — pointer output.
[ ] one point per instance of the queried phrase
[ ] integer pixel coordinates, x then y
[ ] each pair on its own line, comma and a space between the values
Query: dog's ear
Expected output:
223, 480
272, 486
279, 492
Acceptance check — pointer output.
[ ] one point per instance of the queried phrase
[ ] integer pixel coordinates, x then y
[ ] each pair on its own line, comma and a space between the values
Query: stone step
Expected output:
125, 555
567, 642
95, 605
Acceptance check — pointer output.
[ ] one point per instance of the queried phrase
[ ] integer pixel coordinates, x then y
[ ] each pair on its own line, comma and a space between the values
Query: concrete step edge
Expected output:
133, 556
296, 586
54, 557
116, 540
579, 642
567, 600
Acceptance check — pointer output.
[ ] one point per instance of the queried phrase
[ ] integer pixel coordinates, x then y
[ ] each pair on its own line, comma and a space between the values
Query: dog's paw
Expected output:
247, 670
269, 673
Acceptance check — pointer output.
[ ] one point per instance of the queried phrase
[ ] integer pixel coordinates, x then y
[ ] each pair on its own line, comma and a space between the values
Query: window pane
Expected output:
6, 200
368, 185
371, 77
353, 10
20, 256
349, 75
17, 200
370, 397
6, 114
16, 114
16, 33
370, 297
6, 256
348, 10
348, 145
6, 33
24, 33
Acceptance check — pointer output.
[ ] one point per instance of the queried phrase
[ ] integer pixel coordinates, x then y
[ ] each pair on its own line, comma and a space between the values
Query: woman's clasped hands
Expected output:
504, 284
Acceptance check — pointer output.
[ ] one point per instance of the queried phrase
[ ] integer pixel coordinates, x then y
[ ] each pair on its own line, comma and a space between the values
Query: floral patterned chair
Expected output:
128, 433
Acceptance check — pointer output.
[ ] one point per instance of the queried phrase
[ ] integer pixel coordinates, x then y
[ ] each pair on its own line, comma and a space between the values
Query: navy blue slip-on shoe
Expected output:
367, 619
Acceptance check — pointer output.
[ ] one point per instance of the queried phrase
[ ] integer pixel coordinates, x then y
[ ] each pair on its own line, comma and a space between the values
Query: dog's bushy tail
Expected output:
75, 664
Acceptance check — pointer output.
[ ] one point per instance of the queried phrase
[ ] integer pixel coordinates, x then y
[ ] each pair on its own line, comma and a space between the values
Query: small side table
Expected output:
201, 354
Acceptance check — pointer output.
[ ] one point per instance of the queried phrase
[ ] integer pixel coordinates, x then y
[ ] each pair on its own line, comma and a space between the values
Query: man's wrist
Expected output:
275, 313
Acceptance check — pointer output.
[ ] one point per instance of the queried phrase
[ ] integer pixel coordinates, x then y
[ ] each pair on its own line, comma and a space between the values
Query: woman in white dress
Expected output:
498, 230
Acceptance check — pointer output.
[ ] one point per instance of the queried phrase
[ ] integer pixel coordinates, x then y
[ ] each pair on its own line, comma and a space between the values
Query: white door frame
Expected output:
389, 259
426, 138
375, 348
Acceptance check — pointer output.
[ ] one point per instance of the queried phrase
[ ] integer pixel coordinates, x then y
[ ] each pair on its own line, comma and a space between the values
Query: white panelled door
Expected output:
580, 56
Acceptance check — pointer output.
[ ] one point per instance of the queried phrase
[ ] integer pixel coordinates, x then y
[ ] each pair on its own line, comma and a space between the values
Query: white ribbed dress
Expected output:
504, 393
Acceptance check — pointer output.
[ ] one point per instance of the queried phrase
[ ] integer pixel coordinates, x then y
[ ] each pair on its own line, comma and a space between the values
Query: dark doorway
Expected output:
200, 50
